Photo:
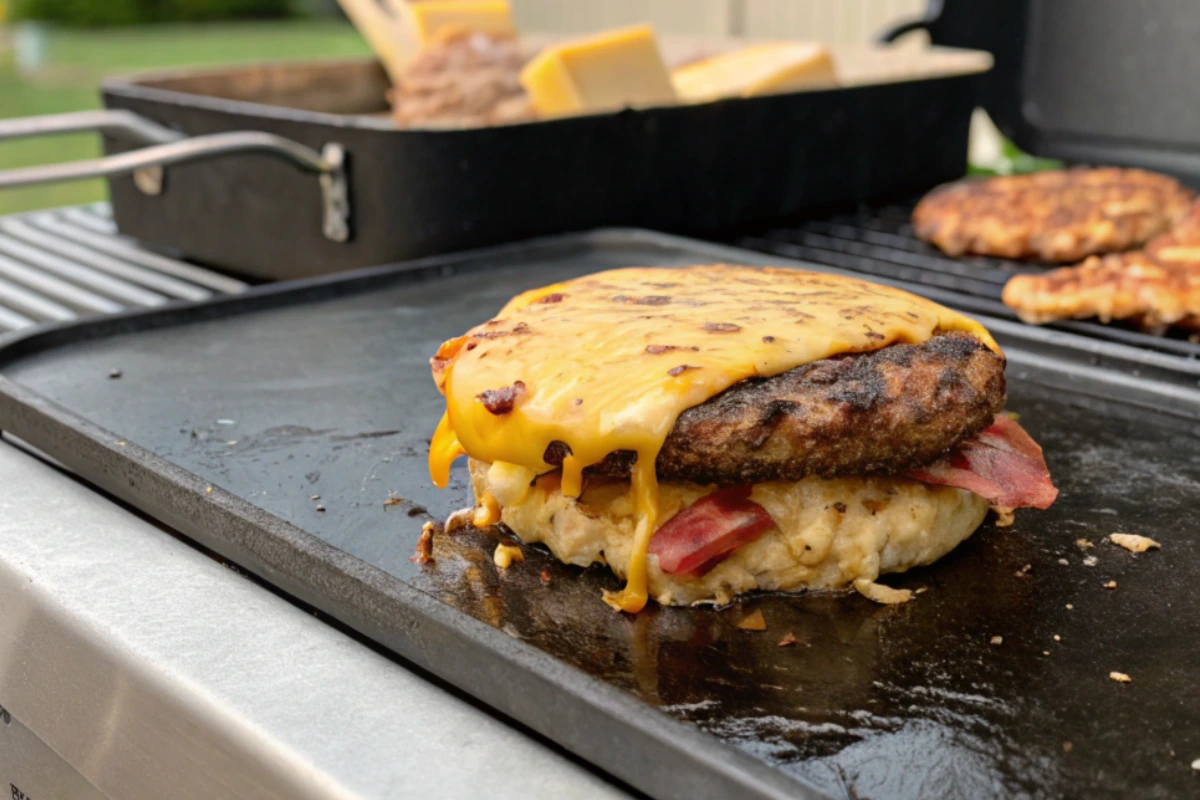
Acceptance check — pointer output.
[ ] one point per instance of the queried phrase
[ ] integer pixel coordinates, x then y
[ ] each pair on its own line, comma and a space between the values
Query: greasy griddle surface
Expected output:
335, 399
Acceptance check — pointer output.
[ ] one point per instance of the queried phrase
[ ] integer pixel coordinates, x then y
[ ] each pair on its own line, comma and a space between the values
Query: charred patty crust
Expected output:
874, 413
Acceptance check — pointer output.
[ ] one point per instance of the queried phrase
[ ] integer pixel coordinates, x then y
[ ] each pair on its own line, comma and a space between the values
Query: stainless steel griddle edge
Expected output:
134, 666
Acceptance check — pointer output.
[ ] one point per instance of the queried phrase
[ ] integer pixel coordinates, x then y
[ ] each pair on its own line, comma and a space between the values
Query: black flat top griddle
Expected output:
230, 416
878, 241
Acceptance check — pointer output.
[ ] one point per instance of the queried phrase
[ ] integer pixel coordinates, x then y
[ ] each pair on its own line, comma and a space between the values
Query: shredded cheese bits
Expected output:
609, 361
487, 512
506, 554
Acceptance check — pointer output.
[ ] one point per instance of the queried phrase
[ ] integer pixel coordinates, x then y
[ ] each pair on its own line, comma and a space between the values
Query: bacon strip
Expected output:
1002, 464
704, 533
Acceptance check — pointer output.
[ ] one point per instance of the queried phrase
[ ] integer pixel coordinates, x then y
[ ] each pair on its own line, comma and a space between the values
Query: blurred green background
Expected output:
74, 59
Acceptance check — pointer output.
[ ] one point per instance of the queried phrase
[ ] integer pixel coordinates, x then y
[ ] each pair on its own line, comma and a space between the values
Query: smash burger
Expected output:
712, 430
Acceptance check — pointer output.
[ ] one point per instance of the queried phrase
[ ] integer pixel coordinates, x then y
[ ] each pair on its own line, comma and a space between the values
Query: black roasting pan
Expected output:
386, 194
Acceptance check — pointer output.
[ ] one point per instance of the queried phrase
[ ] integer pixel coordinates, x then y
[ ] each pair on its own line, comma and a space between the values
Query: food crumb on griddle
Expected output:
788, 640
1023, 571
424, 552
1057, 638
115, 374
1064, 562
417, 511
921, 590
545, 575
1091, 561
754, 621
1133, 543
997, 640
1083, 544
1069, 606
1110, 585
880, 593
320, 508
1045, 652
393, 501
1120, 677
208, 490
506, 554
314, 497
1196, 765
459, 520
1068, 747
487, 511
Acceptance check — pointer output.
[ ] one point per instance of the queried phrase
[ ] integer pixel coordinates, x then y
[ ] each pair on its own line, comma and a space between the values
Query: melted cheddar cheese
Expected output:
609, 361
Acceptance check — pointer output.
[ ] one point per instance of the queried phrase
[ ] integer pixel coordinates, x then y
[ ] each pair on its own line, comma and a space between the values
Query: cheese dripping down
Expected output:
609, 361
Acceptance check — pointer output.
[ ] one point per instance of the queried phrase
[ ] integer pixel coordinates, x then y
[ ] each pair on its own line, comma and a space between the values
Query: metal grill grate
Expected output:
69, 263
880, 242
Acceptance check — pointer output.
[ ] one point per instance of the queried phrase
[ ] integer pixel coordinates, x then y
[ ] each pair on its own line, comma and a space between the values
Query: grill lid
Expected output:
62, 265
1086, 81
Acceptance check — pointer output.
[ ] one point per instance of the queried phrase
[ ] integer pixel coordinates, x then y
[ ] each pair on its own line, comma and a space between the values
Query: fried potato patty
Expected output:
828, 534
880, 412
1058, 216
1155, 288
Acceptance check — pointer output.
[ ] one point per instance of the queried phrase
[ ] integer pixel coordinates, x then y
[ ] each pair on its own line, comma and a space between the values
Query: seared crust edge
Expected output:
875, 413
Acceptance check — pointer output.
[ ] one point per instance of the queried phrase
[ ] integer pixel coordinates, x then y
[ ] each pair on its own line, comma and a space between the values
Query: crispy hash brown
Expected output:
1060, 216
1155, 288
828, 534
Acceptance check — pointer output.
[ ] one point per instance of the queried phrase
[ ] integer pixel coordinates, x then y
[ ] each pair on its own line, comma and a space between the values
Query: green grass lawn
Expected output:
78, 60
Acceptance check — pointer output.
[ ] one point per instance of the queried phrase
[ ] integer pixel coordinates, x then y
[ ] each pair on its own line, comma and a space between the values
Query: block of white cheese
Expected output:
432, 19
757, 70
606, 72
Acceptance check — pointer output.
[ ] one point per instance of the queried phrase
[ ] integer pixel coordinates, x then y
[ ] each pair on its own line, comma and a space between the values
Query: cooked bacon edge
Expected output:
704, 533
1003, 464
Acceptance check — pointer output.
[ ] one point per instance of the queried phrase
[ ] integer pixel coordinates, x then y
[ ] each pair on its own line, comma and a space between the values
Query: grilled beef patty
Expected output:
880, 412
1060, 216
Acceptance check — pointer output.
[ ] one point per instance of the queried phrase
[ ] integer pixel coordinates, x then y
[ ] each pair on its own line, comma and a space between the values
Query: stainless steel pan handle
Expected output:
115, 122
171, 147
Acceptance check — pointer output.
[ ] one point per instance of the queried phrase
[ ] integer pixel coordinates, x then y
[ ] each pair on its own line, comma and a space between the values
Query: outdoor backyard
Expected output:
75, 61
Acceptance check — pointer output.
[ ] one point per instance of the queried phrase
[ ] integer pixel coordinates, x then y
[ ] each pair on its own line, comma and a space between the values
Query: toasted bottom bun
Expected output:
830, 534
